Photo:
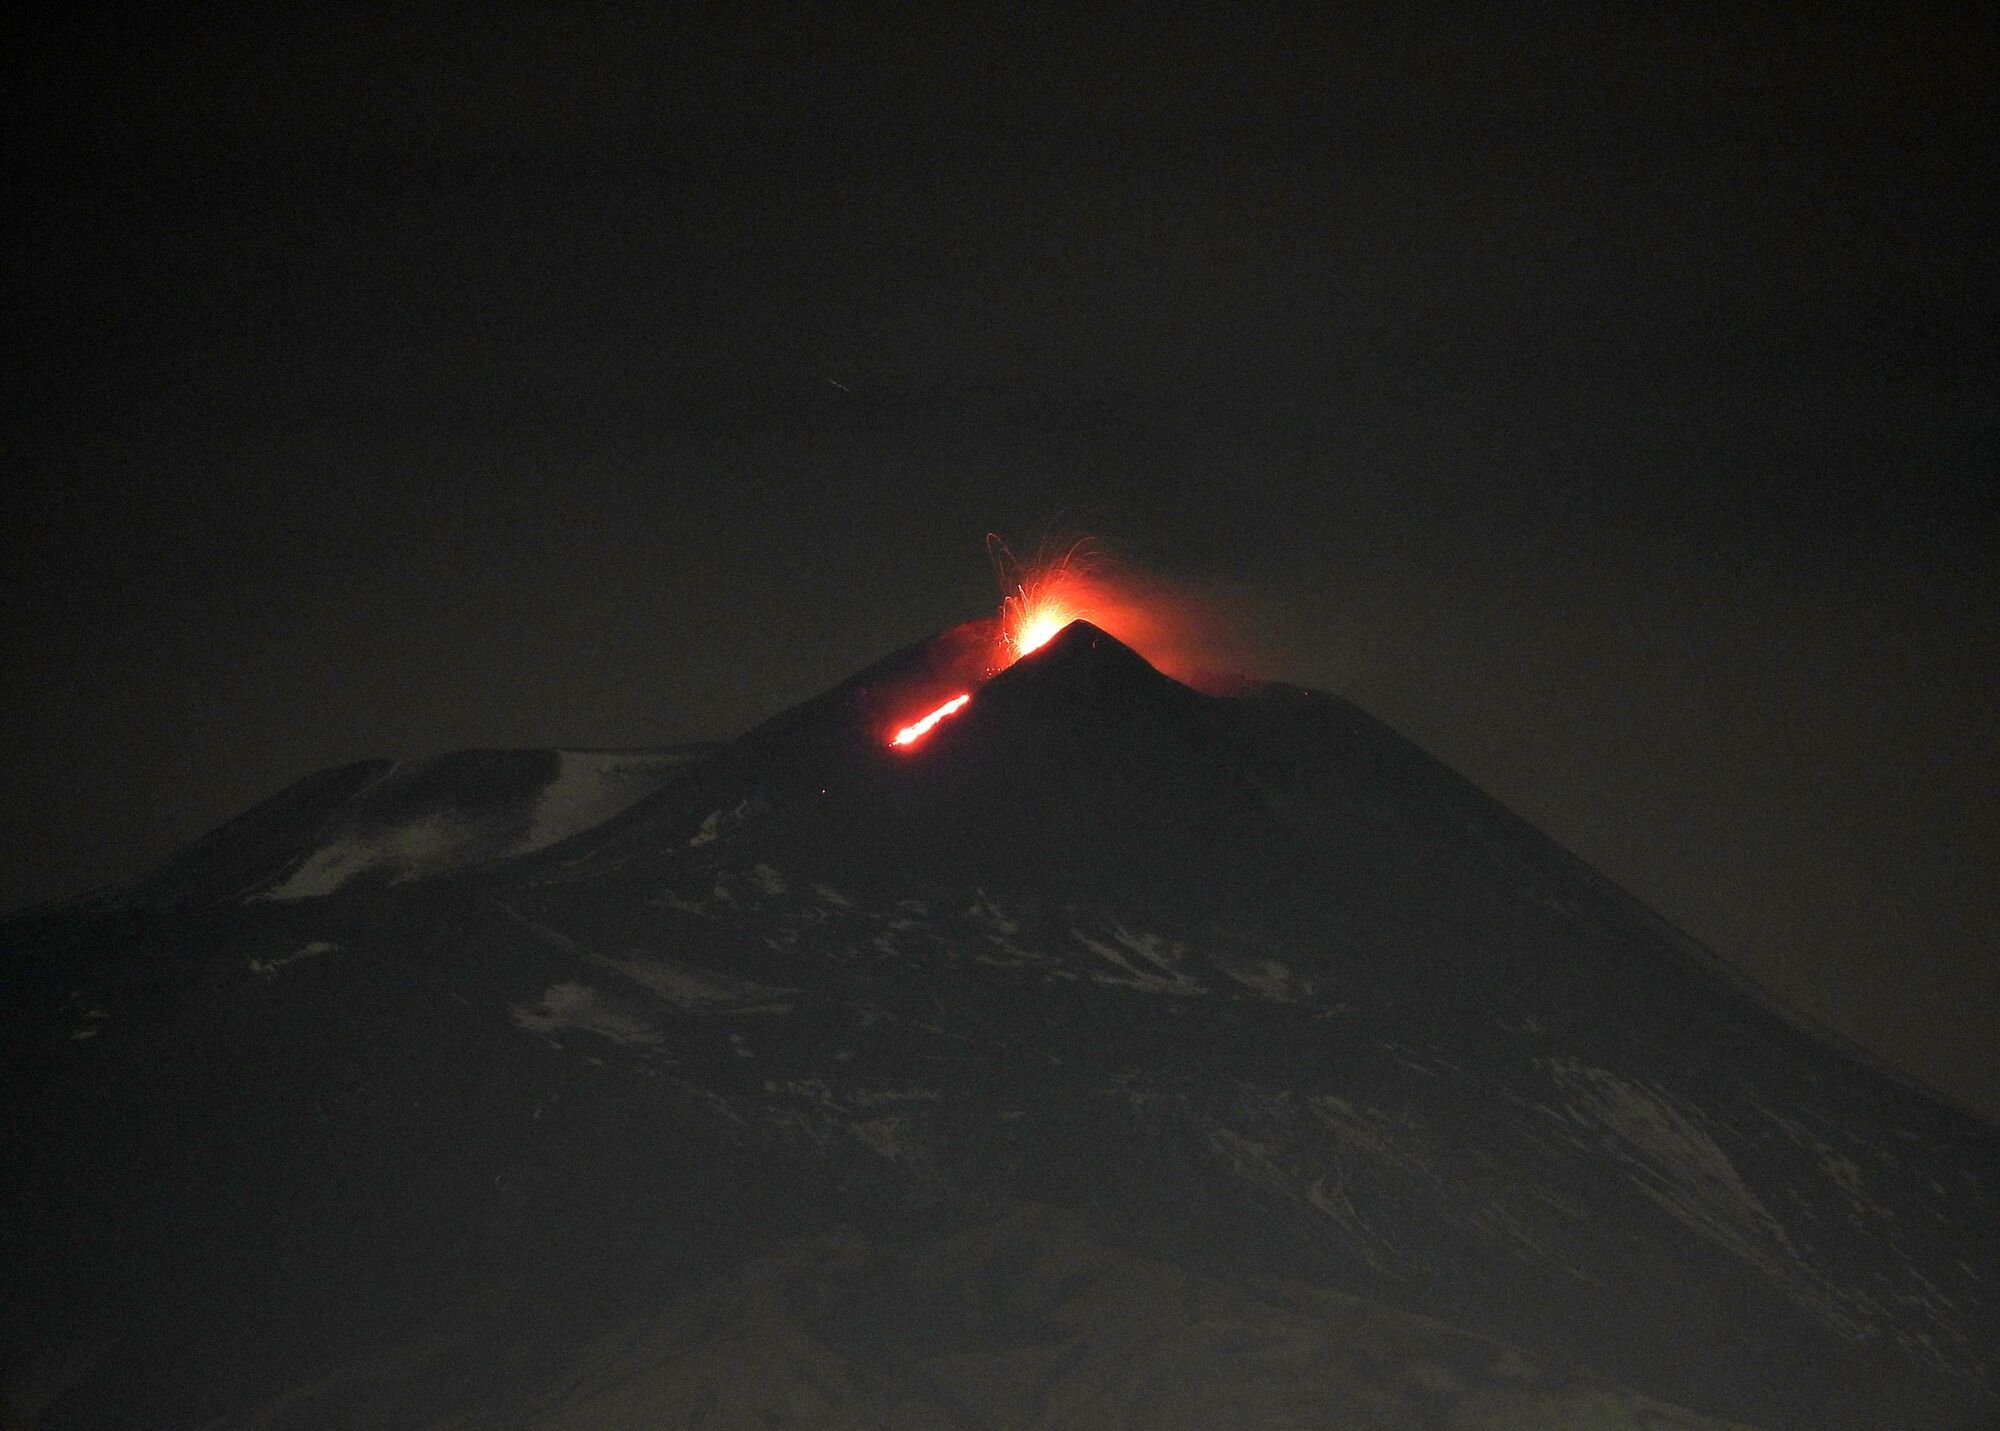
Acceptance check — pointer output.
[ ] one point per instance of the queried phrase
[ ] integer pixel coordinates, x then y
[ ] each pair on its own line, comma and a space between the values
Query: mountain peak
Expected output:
1083, 641
1080, 662
1077, 637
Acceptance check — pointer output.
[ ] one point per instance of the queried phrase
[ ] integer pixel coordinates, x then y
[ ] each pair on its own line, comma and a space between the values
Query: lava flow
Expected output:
917, 730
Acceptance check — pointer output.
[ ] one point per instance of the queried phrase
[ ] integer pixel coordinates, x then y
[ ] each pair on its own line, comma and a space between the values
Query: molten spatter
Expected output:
1038, 627
1039, 598
918, 729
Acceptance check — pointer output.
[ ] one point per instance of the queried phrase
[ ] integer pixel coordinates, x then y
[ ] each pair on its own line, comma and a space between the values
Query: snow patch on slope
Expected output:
590, 787
270, 967
582, 1009
1673, 1159
587, 789
691, 988
433, 845
1143, 961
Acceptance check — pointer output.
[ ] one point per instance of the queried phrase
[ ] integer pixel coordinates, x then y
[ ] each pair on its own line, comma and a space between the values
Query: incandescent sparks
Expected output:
1039, 626
917, 730
1041, 597
1038, 599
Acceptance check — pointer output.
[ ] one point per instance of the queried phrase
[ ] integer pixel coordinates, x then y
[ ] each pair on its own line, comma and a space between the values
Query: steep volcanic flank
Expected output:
1115, 1055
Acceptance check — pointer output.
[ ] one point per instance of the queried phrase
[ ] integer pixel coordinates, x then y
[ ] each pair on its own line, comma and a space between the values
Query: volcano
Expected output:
1115, 1056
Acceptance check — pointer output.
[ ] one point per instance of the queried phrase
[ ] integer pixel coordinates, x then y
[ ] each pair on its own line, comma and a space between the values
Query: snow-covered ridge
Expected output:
392, 822
452, 824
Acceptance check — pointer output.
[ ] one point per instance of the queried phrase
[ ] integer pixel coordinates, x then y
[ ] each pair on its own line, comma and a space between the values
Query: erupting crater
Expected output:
1038, 599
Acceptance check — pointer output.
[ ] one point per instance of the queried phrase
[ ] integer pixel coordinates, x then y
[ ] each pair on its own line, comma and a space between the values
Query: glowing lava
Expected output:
917, 730
1037, 627
1042, 597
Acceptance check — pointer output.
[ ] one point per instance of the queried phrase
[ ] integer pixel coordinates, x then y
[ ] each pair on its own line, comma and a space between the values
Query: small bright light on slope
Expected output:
917, 730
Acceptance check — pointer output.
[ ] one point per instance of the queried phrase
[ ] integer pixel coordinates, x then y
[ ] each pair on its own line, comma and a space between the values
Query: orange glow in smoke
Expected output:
917, 730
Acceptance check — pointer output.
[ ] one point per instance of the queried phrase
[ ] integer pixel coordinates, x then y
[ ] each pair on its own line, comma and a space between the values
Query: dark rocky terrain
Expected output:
1118, 1056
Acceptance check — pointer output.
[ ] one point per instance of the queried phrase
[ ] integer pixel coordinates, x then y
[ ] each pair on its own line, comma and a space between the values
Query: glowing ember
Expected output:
917, 730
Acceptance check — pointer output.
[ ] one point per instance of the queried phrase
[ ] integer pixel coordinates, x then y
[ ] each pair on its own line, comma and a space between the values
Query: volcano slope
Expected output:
1116, 1056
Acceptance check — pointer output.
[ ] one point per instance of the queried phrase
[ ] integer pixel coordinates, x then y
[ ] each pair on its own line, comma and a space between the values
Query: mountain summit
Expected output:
1114, 1055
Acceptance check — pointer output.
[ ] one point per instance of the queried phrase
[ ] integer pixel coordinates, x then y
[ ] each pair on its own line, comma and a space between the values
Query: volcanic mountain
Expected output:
1116, 1055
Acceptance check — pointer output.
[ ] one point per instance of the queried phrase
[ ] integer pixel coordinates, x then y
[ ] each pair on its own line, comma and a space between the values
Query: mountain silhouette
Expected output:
1116, 1055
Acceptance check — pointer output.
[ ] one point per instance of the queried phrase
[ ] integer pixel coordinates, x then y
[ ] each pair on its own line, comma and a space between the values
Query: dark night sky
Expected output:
1604, 404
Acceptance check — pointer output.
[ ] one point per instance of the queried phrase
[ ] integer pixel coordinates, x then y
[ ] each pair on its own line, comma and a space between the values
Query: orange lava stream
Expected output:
917, 730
